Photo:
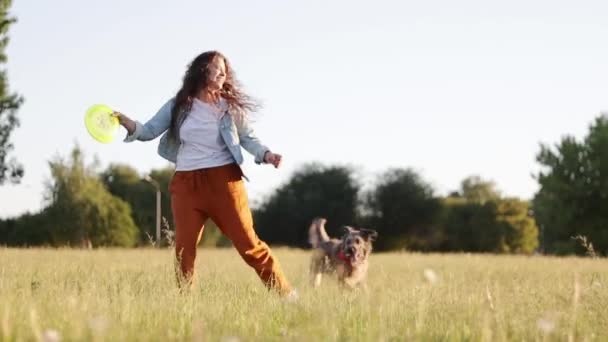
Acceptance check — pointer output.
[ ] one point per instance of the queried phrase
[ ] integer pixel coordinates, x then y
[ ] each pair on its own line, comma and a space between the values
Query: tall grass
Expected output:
119, 295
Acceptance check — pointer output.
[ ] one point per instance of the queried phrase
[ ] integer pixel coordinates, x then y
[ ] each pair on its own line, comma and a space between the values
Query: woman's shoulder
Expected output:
168, 105
165, 110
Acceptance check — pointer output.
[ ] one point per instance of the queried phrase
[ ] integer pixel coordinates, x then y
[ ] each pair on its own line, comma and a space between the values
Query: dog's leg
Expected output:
349, 283
316, 270
364, 288
317, 279
352, 280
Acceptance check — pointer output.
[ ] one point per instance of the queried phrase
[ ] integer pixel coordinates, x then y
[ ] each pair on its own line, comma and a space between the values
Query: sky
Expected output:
449, 89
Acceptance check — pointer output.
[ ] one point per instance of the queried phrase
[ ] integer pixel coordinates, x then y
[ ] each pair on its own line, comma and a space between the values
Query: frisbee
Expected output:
100, 123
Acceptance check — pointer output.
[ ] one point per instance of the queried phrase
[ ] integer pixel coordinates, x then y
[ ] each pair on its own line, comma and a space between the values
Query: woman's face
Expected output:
216, 73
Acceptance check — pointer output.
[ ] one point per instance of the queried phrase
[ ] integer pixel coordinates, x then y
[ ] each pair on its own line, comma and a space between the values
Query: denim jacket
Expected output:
234, 135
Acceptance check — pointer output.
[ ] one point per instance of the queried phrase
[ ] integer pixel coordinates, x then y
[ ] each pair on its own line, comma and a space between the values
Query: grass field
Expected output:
119, 295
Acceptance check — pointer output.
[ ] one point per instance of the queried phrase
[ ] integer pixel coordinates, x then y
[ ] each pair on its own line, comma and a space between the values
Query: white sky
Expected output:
448, 88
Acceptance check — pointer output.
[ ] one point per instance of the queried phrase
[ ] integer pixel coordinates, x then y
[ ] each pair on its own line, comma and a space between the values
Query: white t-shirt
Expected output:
202, 146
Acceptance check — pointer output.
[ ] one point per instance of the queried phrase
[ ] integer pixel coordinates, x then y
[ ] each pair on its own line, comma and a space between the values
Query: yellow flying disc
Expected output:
100, 123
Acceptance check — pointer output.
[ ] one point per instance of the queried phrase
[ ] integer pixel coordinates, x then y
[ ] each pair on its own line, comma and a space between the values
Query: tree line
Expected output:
115, 206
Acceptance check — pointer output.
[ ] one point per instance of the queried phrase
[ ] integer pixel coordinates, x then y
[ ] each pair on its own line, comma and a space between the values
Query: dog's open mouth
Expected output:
352, 255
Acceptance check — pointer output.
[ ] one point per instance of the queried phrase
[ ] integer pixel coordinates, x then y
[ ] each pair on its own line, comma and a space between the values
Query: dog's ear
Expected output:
349, 229
369, 234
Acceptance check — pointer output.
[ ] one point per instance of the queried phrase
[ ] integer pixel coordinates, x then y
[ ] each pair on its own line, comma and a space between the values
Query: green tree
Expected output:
10, 169
519, 228
403, 209
476, 190
477, 219
573, 194
81, 211
126, 183
25, 231
470, 226
312, 191
498, 226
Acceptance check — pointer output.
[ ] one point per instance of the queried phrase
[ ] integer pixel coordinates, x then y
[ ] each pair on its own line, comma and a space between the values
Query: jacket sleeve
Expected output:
250, 142
154, 127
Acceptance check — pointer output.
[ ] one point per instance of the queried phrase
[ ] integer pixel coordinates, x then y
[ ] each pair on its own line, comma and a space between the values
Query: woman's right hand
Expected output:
125, 121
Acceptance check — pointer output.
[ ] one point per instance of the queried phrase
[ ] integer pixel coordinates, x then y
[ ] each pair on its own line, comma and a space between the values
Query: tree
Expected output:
499, 226
477, 219
312, 191
403, 209
519, 228
573, 194
10, 169
126, 183
26, 230
470, 226
81, 211
476, 190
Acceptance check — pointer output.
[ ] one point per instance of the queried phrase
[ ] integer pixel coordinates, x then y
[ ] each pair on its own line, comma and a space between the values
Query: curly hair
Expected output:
196, 79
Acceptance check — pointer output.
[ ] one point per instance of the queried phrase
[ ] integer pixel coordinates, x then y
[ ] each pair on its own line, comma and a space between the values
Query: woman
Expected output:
204, 127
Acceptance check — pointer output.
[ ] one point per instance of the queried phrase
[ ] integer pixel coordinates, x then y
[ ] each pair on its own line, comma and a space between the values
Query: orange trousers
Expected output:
219, 193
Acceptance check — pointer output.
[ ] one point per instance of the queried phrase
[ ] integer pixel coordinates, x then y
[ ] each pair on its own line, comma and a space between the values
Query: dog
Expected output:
346, 257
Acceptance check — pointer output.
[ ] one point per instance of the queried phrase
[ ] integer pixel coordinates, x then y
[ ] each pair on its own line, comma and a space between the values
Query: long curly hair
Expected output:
196, 79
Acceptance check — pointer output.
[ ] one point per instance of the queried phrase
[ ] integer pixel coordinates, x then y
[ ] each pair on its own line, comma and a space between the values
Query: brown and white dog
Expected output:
346, 257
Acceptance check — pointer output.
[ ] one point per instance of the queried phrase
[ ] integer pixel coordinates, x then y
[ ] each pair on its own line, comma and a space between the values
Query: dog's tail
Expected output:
317, 233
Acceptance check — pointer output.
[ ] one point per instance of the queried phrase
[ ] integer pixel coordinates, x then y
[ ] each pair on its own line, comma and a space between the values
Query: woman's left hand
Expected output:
273, 158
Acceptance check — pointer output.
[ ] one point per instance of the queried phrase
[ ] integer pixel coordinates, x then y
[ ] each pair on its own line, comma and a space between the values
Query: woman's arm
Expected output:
158, 124
252, 144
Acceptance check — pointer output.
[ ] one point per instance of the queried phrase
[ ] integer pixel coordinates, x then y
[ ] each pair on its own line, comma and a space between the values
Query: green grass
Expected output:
119, 295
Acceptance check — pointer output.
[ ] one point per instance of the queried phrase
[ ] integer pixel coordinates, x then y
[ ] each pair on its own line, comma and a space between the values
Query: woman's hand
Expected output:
272, 158
125, 121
